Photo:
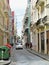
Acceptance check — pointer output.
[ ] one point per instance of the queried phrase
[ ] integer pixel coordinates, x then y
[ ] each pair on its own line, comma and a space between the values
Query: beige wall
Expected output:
4, 21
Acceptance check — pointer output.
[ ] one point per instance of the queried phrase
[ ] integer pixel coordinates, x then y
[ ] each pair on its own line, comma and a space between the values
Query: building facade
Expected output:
26, 23
41, 27
43, 9
12, 26
4, 21
38, 25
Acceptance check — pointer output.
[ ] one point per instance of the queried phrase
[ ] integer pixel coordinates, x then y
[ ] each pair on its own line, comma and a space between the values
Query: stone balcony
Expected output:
26, 26
40, 23
40, 1
46, 20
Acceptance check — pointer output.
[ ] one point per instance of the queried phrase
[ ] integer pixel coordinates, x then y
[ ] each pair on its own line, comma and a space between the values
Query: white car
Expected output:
19, 46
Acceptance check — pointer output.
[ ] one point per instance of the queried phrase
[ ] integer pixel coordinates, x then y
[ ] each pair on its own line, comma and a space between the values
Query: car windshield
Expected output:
18, 43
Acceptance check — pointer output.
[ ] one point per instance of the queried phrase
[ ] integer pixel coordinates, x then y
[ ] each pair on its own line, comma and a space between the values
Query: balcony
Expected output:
1, 12
46, 20
3, 28
6, 13
26, 27
5, 10
40, 23
6, 29
1, 23
26, 20
47, 5
40, 2
31, 24
26, 32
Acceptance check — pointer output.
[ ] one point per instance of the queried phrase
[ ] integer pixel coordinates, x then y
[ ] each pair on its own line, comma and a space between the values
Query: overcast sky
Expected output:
19, 7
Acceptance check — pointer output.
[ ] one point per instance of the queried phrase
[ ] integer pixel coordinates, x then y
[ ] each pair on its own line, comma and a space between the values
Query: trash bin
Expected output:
9, 46
4, 53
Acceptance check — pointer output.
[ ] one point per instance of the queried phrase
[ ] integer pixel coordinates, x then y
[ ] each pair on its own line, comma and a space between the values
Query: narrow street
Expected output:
24, 23
23, 57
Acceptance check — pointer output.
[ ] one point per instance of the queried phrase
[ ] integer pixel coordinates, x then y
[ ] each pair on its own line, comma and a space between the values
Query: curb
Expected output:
2, 62
38, 55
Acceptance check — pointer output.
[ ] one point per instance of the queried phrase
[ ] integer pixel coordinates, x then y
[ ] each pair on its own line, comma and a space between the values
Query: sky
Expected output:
19, 7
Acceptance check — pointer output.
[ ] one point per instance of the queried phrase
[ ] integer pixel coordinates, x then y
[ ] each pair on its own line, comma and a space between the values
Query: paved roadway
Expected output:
23, 57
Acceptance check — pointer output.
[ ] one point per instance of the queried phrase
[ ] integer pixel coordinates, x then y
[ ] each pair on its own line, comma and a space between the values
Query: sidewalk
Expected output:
13, 54
43, 56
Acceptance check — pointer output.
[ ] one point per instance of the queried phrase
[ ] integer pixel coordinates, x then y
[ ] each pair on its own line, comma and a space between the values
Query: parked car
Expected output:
4, 53
19, 45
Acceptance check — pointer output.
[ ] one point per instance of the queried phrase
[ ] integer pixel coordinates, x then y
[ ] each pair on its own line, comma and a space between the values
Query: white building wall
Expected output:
34, 18
25, 39
34, 43
33, 2
35, 15
47, 1
34, 12
43, 14
46, 10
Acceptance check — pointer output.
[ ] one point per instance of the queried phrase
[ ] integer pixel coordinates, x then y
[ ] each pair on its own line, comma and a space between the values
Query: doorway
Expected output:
47, 42
38, 42
42, 42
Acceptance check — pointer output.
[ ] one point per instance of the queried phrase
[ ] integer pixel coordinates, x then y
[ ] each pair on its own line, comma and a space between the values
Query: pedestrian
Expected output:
30, 45
26, 44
